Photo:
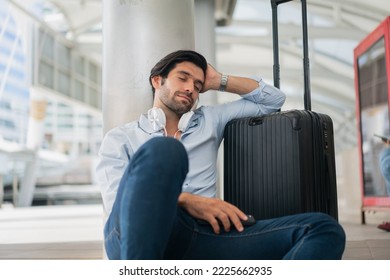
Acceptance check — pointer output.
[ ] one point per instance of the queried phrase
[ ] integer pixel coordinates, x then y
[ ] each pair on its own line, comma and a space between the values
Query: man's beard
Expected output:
176, 106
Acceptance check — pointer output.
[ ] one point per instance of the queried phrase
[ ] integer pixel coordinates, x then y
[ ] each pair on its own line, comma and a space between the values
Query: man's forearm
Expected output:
235, 84
270, 97
241, 85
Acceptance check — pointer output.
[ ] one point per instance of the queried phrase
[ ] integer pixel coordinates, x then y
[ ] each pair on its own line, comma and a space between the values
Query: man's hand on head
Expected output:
212, 79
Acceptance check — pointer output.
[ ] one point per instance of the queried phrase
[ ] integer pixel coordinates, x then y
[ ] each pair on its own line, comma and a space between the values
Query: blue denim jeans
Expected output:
146, 222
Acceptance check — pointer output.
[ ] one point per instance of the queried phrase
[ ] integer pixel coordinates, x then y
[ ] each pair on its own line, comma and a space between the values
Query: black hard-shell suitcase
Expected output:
282, 163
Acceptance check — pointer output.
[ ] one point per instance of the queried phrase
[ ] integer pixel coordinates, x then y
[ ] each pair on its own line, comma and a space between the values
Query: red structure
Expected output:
372, 76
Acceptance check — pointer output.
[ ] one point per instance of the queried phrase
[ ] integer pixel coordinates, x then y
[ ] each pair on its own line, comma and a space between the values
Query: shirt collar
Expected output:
146, 126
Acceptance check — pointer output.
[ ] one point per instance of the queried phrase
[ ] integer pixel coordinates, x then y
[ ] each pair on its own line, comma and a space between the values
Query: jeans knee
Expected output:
330, 226
324, 238
166, 149
165, 154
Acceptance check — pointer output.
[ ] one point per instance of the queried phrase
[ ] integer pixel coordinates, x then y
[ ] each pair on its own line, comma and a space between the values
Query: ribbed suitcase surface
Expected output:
280, 164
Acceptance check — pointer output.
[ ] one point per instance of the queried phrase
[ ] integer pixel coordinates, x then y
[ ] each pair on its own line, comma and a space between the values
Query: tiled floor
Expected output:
51, 232
75, 232
366, 242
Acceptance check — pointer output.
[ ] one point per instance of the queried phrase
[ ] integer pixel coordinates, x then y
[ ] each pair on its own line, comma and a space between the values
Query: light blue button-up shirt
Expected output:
201, 140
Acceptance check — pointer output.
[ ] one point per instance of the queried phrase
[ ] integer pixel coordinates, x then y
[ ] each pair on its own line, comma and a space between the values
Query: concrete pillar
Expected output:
205, 40
136, 34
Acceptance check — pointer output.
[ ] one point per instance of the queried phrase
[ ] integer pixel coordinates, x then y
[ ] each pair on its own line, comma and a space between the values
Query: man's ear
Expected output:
156, 81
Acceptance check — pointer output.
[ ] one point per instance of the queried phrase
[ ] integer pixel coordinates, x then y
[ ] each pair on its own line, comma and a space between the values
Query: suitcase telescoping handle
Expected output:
275, 35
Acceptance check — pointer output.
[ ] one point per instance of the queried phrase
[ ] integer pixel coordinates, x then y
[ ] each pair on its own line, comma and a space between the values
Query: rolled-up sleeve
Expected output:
270, 97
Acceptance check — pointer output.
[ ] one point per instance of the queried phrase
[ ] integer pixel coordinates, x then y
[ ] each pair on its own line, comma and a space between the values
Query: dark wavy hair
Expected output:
166, 64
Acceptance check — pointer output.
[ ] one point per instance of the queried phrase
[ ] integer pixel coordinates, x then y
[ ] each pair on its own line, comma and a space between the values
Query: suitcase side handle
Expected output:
294, 116
275, 40
256, 121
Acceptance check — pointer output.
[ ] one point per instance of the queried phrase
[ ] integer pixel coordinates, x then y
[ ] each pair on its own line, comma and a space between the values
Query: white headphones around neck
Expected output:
157, 119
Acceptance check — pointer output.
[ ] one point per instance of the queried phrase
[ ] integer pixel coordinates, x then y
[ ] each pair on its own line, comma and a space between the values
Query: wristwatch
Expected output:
224, 81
